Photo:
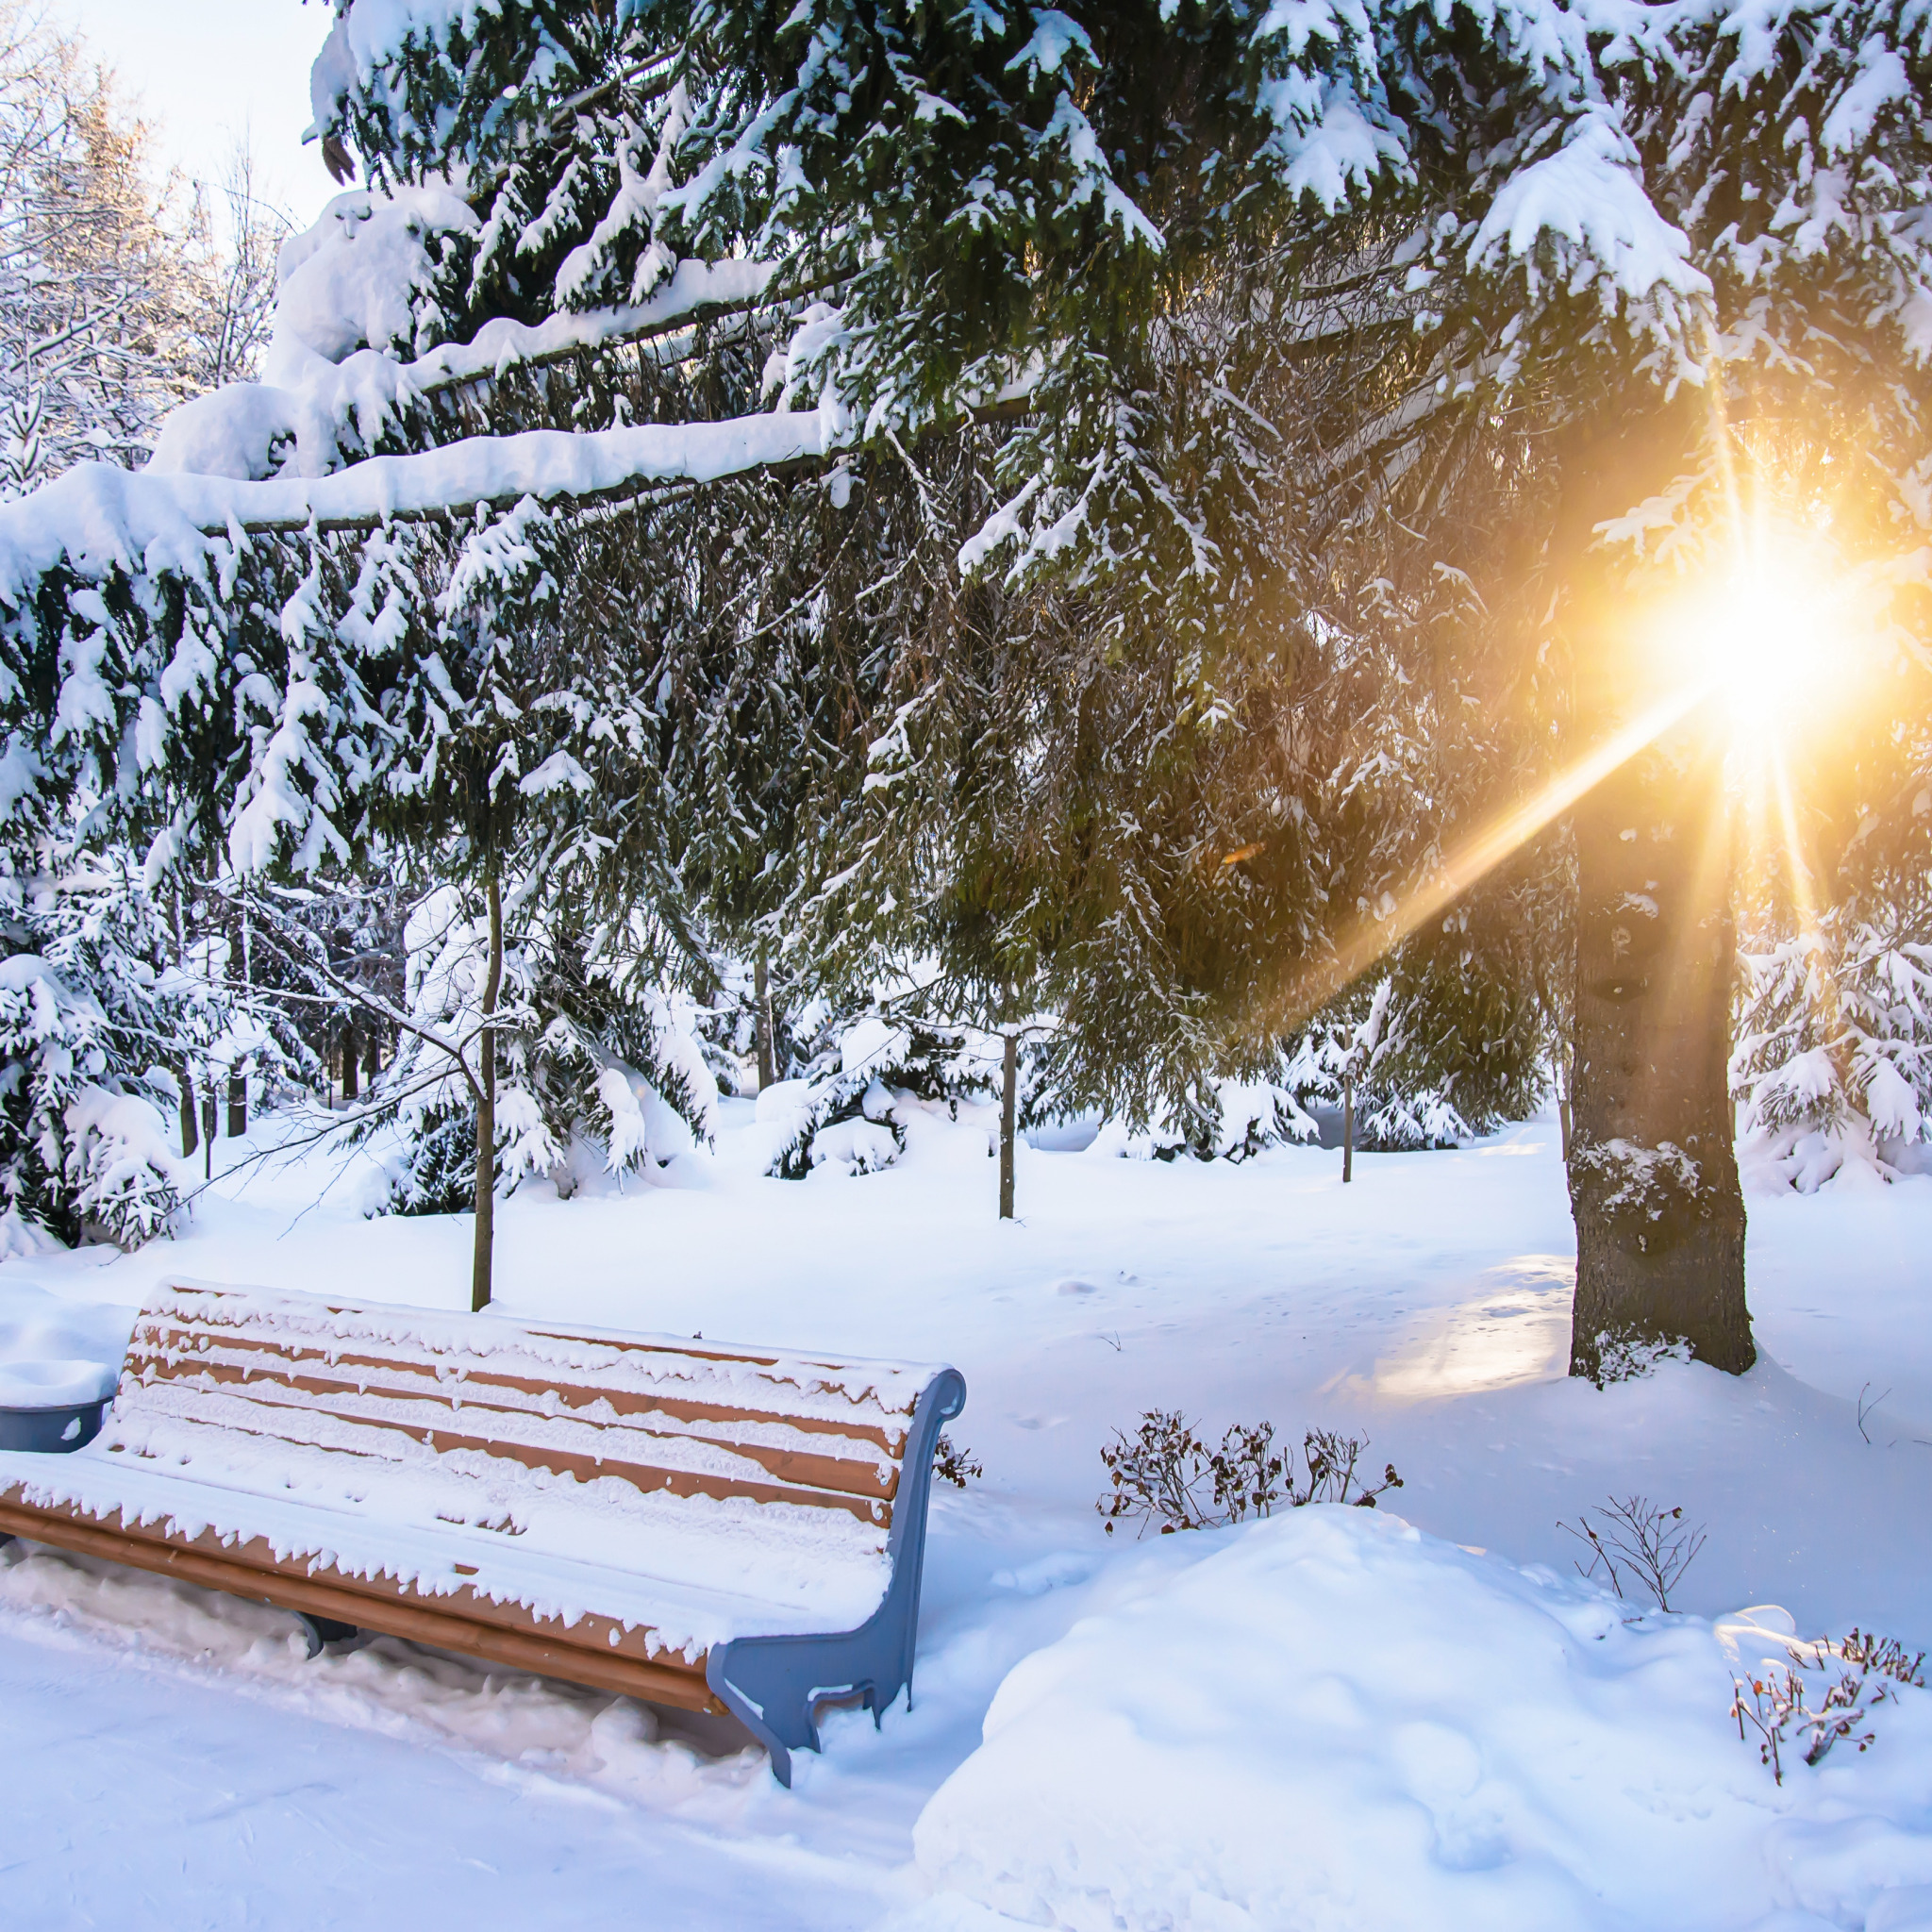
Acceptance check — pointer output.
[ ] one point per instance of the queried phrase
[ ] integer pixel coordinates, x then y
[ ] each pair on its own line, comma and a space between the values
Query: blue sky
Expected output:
206, 72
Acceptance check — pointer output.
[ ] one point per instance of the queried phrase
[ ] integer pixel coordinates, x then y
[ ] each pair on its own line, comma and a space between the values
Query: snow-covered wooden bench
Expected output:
697, 1525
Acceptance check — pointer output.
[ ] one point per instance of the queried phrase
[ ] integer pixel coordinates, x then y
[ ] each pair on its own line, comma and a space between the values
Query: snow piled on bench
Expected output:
1338, 1722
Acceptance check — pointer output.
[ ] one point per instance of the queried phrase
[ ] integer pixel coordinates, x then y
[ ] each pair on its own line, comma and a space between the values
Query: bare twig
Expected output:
1866, 1409
1641, 1540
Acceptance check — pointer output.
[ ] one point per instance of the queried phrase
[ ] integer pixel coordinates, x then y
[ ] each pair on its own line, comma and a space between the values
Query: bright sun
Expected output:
1772, 640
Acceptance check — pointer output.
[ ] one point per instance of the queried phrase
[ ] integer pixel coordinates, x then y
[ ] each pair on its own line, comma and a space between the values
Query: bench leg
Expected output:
324, 1630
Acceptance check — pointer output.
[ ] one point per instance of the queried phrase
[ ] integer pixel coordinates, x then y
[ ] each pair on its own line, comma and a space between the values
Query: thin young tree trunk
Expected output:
1347, 1128
191, 1136
1653, 1167
768, 1052
1009, 1091
351, 1047
486, 1110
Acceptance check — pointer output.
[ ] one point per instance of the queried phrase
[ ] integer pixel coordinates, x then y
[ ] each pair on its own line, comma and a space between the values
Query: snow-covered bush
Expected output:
1833, 1055
76, 1153
1223, 1120
1871, 1672
954, 1464
1165, 1475
101, 1019
651, 1093
849, 1109
1358, 1046
120, 1167
580, 1055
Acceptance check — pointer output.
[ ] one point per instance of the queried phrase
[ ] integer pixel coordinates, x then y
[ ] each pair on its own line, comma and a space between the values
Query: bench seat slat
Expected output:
480, 1629
687, 1572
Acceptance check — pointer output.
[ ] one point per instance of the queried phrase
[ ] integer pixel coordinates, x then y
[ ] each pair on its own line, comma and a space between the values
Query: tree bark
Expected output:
351, 1048
1654, 1171
238, 1106
1009, 1090
1347, 1129
486, 1110
1652, 1161
768, 1049
190, 1138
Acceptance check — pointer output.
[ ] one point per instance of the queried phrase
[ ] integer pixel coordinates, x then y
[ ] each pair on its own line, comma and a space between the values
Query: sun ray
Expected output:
1820, 980
1771, 635
1373, 938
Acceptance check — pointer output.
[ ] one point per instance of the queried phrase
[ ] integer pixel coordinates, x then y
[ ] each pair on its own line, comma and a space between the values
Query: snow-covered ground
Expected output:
1326, 1721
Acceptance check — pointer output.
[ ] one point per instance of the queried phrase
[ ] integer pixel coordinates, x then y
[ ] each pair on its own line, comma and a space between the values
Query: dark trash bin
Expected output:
46, 1407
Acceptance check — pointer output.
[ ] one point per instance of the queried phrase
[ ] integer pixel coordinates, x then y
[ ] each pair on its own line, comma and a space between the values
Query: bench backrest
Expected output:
665, 1415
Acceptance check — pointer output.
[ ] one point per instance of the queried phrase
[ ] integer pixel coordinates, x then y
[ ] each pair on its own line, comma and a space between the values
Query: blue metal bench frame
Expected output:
774, 1684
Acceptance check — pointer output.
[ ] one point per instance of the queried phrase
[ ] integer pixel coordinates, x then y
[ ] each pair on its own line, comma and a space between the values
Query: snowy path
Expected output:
147, 1798
171, 1759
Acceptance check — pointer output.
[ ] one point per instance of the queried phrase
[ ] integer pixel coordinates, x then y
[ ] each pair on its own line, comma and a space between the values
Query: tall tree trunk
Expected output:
1654, 1171
351, 1047
1653, 1167
1010, 1094
1347, 1128
768, 1049
486, 1110
190, 1138
372, 1052
238, 1106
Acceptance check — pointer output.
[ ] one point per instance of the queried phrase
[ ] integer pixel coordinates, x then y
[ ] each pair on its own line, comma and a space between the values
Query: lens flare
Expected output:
1775, 642
1771, 645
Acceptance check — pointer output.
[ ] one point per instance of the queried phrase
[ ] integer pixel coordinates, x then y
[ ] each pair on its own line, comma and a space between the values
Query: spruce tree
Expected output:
1334, 381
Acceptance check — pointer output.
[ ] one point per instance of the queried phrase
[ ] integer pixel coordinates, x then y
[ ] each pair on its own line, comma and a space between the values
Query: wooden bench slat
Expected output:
258, 1418
783, 1385
163, 1361
616, 1443
485, 1631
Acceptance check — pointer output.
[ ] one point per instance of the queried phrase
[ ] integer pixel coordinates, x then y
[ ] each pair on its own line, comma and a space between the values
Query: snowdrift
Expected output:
1337, 1723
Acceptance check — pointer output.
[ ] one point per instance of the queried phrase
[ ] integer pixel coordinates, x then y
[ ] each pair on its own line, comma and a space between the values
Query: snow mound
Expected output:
63, 1384
1334, 1722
